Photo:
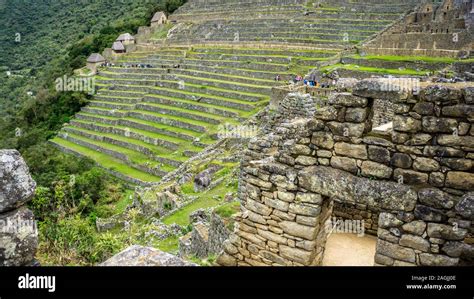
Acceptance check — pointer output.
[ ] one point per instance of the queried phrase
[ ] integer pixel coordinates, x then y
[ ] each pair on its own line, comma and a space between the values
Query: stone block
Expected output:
358, 151
415, 242
373, 169
447, 232
396, 251
344, 163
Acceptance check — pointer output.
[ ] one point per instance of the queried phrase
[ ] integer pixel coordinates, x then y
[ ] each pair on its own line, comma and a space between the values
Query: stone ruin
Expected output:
413, 186
433, 29
207, 236
18, 231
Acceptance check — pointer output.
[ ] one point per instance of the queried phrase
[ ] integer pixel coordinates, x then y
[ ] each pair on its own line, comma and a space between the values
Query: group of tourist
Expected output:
137, 65
107, 64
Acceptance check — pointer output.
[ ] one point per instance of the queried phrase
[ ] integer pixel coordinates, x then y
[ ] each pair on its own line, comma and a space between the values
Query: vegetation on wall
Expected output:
38, 47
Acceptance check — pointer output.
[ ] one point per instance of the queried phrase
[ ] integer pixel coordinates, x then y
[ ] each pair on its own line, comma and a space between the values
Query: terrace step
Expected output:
191, 105
111, 165
204, 98
110, 150
166, 120
145, 136
163, 109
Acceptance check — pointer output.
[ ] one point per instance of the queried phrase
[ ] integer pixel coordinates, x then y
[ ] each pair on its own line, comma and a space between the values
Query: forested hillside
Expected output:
40, 41
32, 33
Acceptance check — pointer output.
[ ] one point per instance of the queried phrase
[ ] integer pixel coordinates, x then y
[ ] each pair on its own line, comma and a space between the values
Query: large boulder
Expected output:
145, 256
18, 237
16, 185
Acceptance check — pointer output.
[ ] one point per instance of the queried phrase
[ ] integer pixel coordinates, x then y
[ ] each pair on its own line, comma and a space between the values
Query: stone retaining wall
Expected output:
418, 180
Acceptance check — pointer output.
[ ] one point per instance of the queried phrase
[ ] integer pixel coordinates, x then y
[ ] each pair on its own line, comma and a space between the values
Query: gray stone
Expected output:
415, 242
144, 256
344, 163
427, 259
440, 93
16, 185
435, 198
18, 237
460, 180
388, 220
439, 125
379, 89
420, 139
465, 206
357, 151
298, 230
415, 227
304, 209
347, 100
384, 194
446, 232
395, 251
454, 249
323, 140
373, 169
459, 111
410, 177
406, 124
429, 214
306, 160
379, 154
297, 255
424, 108
356, 115
347, 129
425, 164
312, 198
401, 160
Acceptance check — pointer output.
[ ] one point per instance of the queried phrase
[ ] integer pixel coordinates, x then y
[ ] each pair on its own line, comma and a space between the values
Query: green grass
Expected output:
427, 59
170, 245
125, 201
135, 157
352, 67
228, 209
181, 216
107, 161
162, 31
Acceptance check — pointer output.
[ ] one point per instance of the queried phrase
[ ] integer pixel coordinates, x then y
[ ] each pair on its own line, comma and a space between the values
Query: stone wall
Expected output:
432, 30
18, 230
207, 237
417, 181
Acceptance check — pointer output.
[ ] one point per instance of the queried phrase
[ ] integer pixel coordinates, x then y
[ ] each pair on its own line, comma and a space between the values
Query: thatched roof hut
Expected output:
125, 37
95, 58
118, 47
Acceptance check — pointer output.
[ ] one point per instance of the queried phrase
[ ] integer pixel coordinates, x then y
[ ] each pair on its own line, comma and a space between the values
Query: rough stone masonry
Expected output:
18, 232
418, 180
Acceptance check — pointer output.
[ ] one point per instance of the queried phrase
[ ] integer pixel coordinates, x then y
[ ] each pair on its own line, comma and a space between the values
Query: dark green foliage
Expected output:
55, 38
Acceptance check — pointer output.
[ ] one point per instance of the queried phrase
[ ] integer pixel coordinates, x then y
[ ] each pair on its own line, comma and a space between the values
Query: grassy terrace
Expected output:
106, 161
374, 70
426, 59
142, 124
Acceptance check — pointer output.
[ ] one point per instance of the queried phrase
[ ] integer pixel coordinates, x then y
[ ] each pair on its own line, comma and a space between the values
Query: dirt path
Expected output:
349, 250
